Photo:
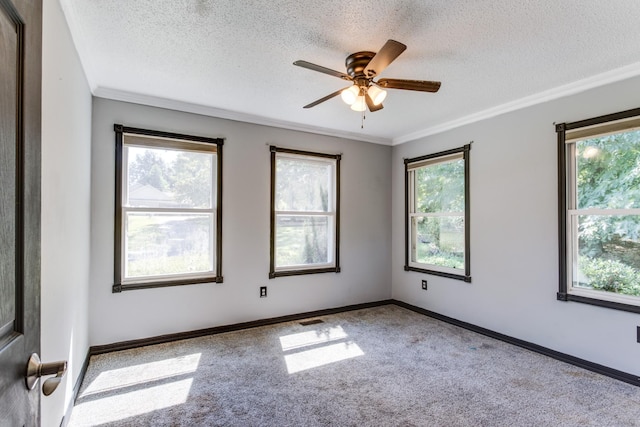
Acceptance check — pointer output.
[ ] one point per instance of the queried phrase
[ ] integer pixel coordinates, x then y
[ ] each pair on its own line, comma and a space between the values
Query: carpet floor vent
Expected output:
311, 322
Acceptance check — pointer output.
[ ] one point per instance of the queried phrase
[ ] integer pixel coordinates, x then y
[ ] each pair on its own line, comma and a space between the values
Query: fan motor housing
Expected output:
357, 62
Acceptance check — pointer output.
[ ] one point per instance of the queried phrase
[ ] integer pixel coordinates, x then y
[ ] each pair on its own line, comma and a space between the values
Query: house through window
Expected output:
305, 212
599, 198
168, 213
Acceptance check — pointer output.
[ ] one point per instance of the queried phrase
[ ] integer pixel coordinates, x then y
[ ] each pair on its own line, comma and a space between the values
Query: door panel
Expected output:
8, 106
20, 87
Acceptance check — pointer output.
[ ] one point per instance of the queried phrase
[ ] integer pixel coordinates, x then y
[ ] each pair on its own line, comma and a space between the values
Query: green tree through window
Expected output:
437, 207
599, 216
304, 227
608, 177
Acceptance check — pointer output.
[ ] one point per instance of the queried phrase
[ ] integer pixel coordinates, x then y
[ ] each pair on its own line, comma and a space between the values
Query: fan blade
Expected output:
321, 69
326, 98
372, 107
419, 85
385, 56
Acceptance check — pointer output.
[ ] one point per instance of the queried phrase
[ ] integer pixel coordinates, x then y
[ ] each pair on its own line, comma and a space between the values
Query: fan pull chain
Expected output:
362, 120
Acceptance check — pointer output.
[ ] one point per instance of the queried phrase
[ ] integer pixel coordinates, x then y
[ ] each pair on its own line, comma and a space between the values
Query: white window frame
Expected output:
332, 214
411, 166
133, 137
568, 135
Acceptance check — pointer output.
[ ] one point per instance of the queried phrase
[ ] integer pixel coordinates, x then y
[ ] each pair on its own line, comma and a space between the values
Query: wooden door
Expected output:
20, 87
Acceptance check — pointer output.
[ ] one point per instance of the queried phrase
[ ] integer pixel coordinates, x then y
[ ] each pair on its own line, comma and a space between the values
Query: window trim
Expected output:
467, 214
273, 272
118, 285
564, 192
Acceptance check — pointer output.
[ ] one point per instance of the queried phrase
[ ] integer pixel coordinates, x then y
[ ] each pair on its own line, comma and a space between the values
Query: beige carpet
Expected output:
383, 366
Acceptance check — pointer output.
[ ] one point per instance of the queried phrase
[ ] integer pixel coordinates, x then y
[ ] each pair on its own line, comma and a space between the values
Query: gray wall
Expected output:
514, 237
66, 176
513, 231
364, 245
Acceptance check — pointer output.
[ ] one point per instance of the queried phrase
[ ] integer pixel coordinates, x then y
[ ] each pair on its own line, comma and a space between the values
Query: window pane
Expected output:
162, 244
440, 187
302, 240
303, 185
438, 241
609, 253
608, 171
166, 178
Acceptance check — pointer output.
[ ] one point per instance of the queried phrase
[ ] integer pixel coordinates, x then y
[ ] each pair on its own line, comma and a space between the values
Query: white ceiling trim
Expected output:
171, 104
602, 79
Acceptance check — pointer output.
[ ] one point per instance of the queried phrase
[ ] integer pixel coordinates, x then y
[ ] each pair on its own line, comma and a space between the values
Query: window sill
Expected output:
599, 302
284, 273
439, 273
119, 287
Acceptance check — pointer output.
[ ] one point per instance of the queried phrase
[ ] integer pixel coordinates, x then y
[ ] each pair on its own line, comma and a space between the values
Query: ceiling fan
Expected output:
362, 69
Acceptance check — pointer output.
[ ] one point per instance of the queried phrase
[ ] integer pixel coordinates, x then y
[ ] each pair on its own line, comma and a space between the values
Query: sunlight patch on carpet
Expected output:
125, 405
322, 353
317, 336
321, 356
143, 373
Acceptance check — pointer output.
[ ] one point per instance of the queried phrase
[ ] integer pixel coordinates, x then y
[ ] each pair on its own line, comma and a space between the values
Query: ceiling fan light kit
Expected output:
359, 105
377, 95
362, 68
350, 94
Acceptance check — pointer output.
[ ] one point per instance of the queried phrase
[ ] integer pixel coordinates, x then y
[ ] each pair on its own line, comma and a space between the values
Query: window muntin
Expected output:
601, 212
167, 209
437, 231
305, 212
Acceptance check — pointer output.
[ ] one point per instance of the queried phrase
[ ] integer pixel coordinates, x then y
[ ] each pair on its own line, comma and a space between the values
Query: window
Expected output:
599, 214
305, 212
437, 214
167, 209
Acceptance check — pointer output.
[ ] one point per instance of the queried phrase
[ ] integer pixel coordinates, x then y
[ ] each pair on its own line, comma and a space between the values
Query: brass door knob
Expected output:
36, 369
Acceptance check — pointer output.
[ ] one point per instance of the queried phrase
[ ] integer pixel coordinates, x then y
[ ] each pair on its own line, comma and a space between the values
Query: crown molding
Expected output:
172, 104
583, 85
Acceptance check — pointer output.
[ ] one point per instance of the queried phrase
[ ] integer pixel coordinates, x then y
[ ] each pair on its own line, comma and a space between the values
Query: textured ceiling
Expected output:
233, 58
